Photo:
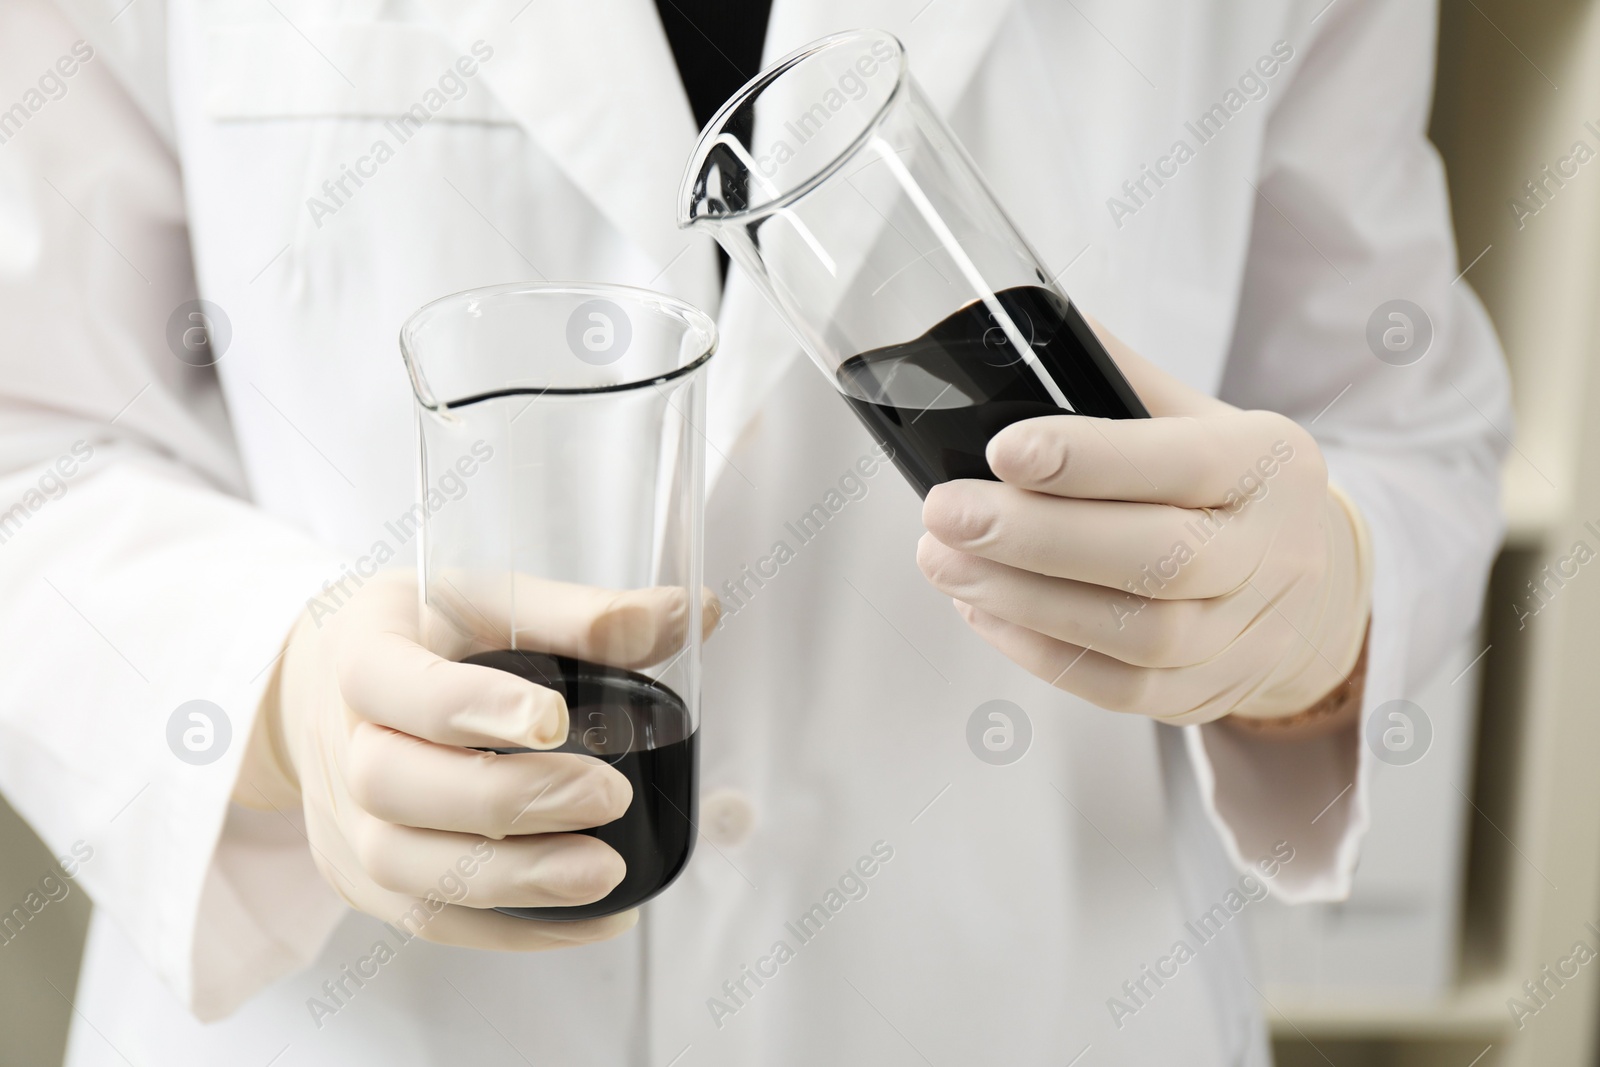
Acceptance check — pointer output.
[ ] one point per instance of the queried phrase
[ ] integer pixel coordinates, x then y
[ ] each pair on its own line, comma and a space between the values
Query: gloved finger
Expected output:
447, 909
624, 628
1178, 696
1136, 630
1229, 461
387, 678
471, 928
1153, 550
449, 914
402, 779
537, 871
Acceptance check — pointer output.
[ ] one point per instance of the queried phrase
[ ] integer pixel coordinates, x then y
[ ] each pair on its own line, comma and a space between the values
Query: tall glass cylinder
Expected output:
561, 517
832, 180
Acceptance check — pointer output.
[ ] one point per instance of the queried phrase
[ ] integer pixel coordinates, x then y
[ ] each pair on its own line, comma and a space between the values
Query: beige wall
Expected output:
33, 1016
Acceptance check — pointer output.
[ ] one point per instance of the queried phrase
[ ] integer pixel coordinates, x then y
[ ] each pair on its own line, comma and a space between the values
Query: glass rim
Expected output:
636, 295
777, 69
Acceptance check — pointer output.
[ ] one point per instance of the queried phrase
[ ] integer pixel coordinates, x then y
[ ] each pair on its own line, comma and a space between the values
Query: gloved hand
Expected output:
372, 734
1188, 566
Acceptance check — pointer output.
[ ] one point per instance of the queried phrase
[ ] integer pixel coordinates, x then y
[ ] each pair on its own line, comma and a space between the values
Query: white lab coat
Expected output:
1019, 899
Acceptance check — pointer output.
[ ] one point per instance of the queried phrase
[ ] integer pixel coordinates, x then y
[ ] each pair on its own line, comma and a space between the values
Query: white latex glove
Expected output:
1188, 566
372, 734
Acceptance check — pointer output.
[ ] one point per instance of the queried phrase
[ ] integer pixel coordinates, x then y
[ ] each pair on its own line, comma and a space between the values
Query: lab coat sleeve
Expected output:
134, 577
1352, 212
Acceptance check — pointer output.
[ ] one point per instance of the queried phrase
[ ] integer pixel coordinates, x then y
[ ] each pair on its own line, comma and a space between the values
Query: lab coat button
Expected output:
726, 817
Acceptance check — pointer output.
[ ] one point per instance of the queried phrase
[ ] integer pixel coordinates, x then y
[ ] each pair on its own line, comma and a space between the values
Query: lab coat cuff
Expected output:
1313, 794
195, 591
265, 911
1263, 794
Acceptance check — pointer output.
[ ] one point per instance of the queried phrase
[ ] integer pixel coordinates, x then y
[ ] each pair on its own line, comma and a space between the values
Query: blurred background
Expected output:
1483, 864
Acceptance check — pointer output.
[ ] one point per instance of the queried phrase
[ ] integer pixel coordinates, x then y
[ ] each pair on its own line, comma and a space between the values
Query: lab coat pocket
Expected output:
375, 70
321, 110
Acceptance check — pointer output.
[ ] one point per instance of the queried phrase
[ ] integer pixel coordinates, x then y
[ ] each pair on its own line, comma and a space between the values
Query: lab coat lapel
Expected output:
945, 44
595, 85
946, 39
584, 79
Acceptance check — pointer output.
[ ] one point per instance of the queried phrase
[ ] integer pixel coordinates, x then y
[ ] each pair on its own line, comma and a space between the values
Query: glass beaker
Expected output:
562, 482
868, 227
